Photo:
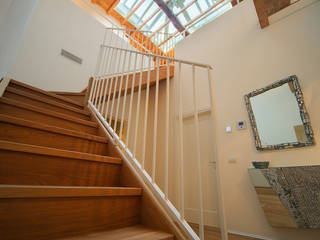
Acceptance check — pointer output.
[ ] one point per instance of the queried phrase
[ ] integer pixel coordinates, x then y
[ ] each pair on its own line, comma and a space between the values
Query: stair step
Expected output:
30, 98
35, 165
45, 94
29, 132
51, 212
75, 96
136, 232
42, 115
31, 191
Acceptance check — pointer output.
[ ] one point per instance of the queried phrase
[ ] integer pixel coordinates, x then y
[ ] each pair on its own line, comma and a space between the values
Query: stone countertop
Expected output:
298, 189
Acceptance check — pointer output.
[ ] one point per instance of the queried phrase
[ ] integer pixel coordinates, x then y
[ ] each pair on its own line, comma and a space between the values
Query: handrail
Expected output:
164, 57
116, 98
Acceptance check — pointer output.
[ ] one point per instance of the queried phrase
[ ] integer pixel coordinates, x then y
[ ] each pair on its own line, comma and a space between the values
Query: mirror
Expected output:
278, 116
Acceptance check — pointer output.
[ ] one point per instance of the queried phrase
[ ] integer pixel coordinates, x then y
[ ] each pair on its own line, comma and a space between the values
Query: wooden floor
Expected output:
212, 233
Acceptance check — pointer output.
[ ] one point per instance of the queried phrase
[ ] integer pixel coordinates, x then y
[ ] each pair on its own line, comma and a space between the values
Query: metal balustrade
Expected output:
120, 96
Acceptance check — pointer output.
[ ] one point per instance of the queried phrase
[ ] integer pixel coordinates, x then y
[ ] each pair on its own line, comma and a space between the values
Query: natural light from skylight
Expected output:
192, 14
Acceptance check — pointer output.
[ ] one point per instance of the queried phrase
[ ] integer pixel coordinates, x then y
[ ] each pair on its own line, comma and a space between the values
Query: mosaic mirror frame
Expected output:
303, 113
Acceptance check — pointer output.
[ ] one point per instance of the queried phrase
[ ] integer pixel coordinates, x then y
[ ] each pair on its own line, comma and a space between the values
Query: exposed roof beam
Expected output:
175, 21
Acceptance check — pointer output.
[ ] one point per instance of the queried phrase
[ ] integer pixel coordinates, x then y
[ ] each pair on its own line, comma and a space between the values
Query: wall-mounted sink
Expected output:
289, 196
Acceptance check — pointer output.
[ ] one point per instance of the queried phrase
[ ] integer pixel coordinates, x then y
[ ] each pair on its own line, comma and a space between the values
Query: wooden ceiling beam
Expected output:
175, 21
262, 13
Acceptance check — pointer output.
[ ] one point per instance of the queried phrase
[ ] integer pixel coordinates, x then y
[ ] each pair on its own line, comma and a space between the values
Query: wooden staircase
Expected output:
61, 178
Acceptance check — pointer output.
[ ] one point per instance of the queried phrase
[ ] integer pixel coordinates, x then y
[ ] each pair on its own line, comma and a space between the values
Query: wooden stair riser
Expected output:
34, 102
28, 114
44, 94
77, 97
52, 218
36, 169
39, 137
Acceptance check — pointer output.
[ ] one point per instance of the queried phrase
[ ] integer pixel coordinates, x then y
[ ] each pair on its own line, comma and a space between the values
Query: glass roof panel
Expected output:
213, 14
185, 10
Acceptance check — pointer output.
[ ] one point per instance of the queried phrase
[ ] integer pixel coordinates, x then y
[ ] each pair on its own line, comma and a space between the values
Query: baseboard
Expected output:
249, 235
3, 85
216, 229
211, 217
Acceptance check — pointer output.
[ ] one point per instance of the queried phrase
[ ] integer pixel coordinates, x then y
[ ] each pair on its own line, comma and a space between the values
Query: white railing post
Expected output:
181, 142
131, 98
197, 146
146, 117
138, 110
155, 123
125, 95
222, 214
166, 161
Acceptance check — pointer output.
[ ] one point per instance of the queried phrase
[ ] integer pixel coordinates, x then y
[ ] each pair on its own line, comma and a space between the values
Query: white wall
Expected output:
246, 58
14, 18
55, 25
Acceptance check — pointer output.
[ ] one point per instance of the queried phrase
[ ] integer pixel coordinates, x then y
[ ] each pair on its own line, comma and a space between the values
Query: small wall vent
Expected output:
71, 56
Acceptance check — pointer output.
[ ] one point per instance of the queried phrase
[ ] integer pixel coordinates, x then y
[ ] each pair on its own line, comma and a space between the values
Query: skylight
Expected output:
192, 14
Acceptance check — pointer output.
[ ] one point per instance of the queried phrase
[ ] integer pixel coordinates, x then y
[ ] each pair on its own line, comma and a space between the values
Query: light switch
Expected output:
241, 125
228, 129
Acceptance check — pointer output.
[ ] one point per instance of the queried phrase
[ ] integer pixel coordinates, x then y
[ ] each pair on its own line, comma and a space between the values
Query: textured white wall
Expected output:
245, 58
14, 18
55, 25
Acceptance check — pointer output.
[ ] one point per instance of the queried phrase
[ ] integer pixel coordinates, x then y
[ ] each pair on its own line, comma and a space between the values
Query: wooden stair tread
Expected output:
47, 101
47, 93
50, 128
20, 147
32, 191
8, 101
69, 93
137, 232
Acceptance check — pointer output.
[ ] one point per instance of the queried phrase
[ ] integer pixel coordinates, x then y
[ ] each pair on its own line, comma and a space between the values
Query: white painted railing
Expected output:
125, 95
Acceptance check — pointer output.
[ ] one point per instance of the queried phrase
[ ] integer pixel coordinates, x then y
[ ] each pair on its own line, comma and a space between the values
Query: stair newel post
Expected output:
222, 214
181, 142
197, 146
146, 115
155, 123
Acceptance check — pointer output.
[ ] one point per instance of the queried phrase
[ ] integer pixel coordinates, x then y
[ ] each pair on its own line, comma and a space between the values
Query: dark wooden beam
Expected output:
175, 21
262, 13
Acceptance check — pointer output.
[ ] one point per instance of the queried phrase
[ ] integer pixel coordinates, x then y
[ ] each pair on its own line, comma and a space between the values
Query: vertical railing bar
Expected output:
105, 65
146, 116
96, 72
110, 88
222, 214
181, 142
131, 99
125, 95
138, 109
120, 89
115, 86
197, 144
116, 82
109, 58
166, 179
97, 81
155, 123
